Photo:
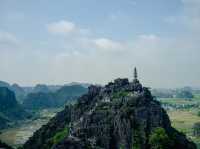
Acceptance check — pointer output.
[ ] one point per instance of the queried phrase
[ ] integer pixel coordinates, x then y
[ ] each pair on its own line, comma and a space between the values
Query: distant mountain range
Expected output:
39, 100
40, 97
19, 91
14, 99
22, 92
10, 109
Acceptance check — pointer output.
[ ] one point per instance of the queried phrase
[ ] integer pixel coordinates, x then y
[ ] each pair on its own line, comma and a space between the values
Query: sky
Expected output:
96, 41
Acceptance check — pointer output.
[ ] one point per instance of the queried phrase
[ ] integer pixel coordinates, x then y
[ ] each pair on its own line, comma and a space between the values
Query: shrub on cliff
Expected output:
159, 139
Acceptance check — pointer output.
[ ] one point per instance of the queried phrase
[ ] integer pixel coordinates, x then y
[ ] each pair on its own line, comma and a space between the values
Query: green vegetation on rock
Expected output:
136, 141
159, 139
59, 136
97, 121
120, 94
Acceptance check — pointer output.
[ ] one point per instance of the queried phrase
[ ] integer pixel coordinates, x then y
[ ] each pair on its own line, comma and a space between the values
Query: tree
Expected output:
184, 94
196, 129
159, 139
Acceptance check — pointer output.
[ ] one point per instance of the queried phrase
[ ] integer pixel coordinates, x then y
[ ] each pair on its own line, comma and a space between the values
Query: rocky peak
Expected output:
121, 82
7, 98
121, 115
124, 84
94, 90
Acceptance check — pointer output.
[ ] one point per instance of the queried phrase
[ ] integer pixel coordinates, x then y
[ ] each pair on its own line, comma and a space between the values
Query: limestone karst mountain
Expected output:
10, 109
41, 100
41, 88
18, 90
121, 115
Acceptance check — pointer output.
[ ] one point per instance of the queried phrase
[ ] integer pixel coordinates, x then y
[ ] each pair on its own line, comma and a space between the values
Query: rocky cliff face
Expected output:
121, 115
10, 110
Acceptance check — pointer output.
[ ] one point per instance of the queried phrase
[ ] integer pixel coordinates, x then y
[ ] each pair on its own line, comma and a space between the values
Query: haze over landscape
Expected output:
99, 74
55, 42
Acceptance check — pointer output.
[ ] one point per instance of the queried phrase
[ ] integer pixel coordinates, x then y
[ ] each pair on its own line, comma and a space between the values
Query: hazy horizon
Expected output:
93, 83
58, 42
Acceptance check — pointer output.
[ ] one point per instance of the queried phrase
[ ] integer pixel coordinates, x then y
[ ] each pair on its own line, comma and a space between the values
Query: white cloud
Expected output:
83, 55
9, 42
68, 28
83, 40
62, 27
107, 44
150, 53
151, 37
7, 38
81, 37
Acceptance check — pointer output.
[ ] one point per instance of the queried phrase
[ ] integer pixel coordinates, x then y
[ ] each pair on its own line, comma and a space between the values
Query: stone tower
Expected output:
135, 75
137, 86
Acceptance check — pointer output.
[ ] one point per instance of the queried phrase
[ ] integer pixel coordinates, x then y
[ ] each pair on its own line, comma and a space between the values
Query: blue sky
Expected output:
56, 42
119, 19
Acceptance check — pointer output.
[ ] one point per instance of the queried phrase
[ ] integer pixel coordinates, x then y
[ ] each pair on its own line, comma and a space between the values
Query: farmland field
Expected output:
183, 114
18, 135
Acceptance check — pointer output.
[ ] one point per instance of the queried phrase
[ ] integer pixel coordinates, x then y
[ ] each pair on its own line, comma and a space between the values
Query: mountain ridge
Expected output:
58, 98
10, 109
121, 115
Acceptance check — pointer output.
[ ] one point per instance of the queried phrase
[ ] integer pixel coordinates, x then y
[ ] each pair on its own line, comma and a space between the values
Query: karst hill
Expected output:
120, 115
